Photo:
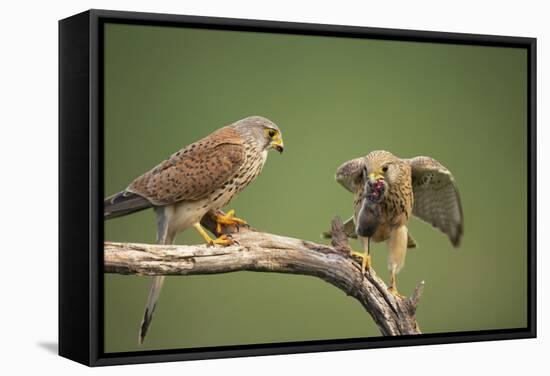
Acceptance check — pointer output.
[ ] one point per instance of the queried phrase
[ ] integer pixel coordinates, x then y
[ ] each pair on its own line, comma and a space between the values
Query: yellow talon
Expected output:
393, 285
222, 240
228, 219
365, 260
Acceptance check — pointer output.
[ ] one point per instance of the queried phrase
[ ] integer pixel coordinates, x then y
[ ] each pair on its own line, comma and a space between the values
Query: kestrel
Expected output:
199, 178
387, 190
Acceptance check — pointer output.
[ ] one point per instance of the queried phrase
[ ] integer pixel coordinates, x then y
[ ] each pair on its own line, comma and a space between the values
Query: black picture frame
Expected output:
81, 186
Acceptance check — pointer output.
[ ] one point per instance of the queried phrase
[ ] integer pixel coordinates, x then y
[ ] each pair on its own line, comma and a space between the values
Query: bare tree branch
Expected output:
263, 252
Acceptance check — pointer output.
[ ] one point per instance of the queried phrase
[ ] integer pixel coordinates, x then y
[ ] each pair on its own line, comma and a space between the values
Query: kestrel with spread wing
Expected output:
387, 190
199, 178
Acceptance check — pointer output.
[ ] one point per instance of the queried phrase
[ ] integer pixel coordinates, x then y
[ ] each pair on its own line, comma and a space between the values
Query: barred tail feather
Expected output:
123, 203
154, 294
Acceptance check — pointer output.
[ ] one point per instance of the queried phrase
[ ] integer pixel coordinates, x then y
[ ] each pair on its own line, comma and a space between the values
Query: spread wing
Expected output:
350, 173
193, 172
436, 198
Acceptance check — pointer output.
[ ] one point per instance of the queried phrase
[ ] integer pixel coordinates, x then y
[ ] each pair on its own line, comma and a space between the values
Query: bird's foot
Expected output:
365, 260
228, 219
223, 240
394, 292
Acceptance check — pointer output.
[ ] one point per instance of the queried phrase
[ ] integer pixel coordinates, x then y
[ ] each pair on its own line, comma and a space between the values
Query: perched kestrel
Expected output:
199, 178
387, 190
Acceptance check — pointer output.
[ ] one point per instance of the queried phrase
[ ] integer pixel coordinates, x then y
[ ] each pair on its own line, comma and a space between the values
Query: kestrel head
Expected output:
381, 165
261, 131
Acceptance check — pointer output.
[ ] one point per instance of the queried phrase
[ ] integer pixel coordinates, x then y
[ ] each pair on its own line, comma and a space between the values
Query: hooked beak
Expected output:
374, 176
278, 145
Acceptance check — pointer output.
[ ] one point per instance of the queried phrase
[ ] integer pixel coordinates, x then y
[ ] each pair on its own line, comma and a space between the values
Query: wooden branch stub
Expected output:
263, 252
415, 297
339, 239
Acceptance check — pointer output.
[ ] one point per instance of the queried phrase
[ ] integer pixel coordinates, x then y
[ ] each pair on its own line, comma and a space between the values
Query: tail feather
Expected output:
164, 236
154, 293
123, 203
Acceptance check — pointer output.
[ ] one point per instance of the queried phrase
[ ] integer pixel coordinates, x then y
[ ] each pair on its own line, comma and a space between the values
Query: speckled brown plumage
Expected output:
196, 170
396, 205
199, 178
391, 189
203, 176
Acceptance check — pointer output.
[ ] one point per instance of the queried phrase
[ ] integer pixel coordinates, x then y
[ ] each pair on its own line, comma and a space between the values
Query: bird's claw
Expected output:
228, 219
223, 240
365, 261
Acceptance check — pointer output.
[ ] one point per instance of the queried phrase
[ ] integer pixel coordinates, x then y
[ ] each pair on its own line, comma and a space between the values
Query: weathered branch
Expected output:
263, 252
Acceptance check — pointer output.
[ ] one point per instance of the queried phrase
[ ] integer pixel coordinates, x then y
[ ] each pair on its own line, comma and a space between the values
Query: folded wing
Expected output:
193, 172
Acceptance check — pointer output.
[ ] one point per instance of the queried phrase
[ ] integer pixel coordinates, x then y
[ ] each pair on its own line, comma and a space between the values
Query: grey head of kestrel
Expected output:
387, 190
202, 177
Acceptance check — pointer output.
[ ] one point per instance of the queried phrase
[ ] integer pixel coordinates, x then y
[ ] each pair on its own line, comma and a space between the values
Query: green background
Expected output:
334, 99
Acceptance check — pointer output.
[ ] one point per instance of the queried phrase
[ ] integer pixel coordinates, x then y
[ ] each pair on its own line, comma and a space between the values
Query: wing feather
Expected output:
349, 174
436, 197
193, 172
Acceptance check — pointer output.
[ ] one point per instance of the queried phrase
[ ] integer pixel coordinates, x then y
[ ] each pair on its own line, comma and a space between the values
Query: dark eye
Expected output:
385, 169
272, 133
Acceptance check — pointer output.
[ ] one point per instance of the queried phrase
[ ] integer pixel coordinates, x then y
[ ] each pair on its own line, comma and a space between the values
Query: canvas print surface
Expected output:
197, 120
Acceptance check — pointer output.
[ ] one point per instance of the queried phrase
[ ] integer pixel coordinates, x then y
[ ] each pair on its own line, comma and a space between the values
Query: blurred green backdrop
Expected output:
334, 99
